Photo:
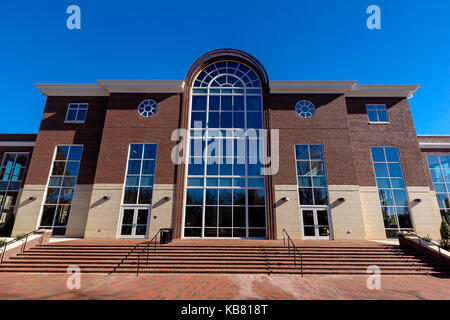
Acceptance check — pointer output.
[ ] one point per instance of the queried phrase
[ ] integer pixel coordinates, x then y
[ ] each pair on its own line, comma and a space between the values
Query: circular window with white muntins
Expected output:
305, 109
147, 108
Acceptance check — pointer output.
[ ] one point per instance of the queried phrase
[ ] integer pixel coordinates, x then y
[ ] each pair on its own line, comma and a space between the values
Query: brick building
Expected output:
104, 165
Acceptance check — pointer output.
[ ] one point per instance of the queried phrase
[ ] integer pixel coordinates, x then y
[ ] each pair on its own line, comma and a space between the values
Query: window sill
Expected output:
379, 122
76, 122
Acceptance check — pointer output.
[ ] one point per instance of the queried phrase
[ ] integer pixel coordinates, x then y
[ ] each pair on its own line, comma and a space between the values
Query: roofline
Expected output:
17, 143
433, 135
106, 87
434, 145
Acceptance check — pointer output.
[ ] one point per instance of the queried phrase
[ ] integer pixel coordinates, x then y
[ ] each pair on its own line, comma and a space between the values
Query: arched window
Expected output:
225, 188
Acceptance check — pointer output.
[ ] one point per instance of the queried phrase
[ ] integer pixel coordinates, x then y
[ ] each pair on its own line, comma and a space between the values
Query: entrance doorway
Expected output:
134, 222
316, 223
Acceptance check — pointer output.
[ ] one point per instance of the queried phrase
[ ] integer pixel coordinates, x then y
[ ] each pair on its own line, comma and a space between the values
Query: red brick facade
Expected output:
340, 124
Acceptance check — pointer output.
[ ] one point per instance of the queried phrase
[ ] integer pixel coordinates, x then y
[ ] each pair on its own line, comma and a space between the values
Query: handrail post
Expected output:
4, 250
24, 244
139, 262
420, 243
301, 264
41, 238
295, 258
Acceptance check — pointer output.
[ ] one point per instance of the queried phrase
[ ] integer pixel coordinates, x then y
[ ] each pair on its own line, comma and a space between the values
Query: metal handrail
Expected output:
22, 236
432, 242
125, 258
147, 249
294, 249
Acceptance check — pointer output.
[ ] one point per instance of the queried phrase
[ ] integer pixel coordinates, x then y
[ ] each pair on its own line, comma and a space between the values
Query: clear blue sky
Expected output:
159, 40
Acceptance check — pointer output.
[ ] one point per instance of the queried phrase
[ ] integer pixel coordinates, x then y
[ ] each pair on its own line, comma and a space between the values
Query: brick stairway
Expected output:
221, 256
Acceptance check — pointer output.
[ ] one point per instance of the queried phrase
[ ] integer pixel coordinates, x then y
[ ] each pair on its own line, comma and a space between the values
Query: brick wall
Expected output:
54, 131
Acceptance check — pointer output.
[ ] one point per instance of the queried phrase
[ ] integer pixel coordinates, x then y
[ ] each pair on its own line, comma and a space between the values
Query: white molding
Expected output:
142, 86
105, 87
434, 145
17, 143
404, 91
310, 86
72, 90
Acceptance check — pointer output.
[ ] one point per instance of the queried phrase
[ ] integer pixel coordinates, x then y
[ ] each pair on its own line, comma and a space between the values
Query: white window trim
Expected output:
76, 121
137, 205
377, 122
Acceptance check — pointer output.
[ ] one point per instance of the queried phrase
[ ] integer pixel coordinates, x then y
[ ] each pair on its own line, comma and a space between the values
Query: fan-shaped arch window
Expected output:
227, 74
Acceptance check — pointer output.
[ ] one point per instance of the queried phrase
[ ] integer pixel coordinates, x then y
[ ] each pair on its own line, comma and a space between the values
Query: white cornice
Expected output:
434, 145
105, 87
144, 86
389, 90
17, 143
310, 86
72, 90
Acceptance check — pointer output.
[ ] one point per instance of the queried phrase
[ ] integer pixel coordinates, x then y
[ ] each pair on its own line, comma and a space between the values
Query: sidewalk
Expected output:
228, 287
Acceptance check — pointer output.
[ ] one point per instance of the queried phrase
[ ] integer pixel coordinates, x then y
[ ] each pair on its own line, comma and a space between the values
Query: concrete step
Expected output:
231, 258
221, 269
18, 261
203, 252
105, 258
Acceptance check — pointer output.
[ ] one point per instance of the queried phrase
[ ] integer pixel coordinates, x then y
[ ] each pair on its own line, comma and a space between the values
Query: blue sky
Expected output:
159, 40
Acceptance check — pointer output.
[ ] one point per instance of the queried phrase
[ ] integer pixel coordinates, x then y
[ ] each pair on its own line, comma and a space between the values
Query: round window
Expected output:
147, 108
305, 109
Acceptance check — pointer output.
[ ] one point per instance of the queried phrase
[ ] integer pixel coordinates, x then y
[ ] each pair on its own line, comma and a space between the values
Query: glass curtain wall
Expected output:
391, 190
225, 189
61, 188
12, 171
439, 166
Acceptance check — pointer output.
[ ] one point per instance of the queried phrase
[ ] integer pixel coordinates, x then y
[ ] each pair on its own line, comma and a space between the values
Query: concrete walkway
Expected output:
228, 287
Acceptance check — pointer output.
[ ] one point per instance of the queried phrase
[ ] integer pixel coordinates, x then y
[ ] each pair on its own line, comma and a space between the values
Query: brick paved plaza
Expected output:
226, 287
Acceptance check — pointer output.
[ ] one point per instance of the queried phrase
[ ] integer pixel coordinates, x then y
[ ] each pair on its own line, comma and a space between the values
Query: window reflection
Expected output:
60, 189
391, 190
226, 181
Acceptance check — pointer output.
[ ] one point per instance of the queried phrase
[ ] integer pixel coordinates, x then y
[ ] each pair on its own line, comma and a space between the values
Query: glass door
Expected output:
316, 223
134, 222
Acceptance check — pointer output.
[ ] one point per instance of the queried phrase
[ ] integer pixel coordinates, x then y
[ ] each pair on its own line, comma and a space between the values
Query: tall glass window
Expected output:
312, 191
140, 174
61, 188
311, 176
12, 171
391, 190
225, 193
138, 192
440, 174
